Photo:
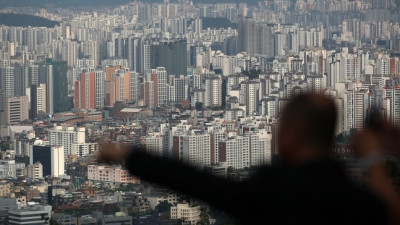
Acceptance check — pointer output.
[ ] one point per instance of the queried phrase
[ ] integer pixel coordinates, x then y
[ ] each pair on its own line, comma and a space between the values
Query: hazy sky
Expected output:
73, 3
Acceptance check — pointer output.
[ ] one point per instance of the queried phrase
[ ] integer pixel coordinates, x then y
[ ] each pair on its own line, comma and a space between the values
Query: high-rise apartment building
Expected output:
33, 75
133, 53
147, 94
154, 144
154, 91
269, 107
109, 85
146, 57
215, 137
61, 101
38, 100
260, 148
54, 75
255, 38
196, 149
250, 96
391, 101
122, 86
89, 90
235, 151
57, 161
135, 82
66, 137
213, 91
7, 81
356, 104
178, 89
170, 54
20, 80
383, 64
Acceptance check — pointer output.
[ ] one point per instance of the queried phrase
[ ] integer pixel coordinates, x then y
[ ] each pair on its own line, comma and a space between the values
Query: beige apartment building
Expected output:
111, 173
16, 109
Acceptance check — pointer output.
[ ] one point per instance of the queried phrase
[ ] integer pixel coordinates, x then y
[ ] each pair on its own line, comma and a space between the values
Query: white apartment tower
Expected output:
146, 58
213, 91
57, 161
7, 81
154, 144
196, 149
67, 137
41, 98
135, 86
162, 78
356, 105
249, 95
383, 64
99, 89
235, 151
260, 148
391, 96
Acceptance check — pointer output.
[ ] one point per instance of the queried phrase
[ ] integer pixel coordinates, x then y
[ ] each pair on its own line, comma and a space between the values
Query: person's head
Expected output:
307, 128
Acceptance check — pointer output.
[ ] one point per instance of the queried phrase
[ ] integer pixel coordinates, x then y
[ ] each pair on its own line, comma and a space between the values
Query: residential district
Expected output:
200, 83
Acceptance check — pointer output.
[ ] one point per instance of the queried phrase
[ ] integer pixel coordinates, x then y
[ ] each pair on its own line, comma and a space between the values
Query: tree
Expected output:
342, 138
54, 222
252, 74
132, 211
110, 209
127, 187
199, 106
204, 217
45, 217
163, 206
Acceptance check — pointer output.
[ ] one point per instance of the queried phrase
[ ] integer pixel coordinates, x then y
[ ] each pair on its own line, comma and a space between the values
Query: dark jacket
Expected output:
317, 193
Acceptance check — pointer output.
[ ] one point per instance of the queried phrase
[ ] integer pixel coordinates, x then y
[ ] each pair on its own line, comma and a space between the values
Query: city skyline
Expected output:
201, 82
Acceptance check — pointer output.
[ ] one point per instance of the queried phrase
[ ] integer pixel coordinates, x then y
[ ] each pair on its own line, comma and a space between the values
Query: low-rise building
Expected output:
183, 211
4, 189
34, 171
8, 168
111, 174
34, 214
118, 218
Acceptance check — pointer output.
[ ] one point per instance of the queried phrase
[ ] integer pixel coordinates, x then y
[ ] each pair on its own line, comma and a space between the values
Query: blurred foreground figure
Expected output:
305, 188
377, 140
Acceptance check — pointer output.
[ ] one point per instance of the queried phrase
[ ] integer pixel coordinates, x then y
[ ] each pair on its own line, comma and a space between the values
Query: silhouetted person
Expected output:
305, 188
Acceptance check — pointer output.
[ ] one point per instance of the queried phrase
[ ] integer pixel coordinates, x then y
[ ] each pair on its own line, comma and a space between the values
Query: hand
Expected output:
367, 142
113, 153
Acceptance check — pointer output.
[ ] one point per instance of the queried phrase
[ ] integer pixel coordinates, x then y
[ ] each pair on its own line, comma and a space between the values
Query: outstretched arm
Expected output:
368, 144
185, 179
218, 192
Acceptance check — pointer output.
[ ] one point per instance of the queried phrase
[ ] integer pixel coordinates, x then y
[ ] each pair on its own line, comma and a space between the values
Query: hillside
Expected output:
20, 20
217, 23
